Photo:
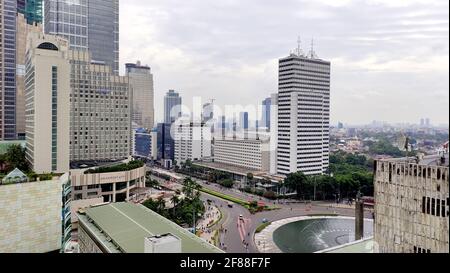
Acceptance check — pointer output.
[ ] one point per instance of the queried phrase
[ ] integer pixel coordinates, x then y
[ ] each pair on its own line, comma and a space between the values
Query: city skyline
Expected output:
373, 65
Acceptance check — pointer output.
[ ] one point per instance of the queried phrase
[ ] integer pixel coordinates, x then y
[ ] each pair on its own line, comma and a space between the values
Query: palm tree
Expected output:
250, 178
161, 204
175, 201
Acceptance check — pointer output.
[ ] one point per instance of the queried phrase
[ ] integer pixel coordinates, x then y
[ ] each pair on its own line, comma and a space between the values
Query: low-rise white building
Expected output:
112, 183
192, 141
253, 154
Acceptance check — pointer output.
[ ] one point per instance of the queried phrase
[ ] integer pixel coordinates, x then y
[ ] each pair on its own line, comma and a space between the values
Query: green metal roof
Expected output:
128, 224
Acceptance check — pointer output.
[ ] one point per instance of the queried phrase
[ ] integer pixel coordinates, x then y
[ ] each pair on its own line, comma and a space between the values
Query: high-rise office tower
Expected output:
141, 81
422, 122
166, 143
100, 111
23, 29
243, 121
266, 105
303, 114
68, 19
8, 10
103, 32
31, 9
21, 4
47, 103
208, 112
172, 106
87, 24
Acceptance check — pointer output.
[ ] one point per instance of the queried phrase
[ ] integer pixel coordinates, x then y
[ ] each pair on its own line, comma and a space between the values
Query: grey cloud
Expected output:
219, 41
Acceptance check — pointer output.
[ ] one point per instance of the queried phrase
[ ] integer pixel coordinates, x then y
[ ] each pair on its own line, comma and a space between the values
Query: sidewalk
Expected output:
212, 215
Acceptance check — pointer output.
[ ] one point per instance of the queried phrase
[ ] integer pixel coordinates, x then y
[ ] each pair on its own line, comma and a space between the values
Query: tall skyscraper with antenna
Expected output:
303, 113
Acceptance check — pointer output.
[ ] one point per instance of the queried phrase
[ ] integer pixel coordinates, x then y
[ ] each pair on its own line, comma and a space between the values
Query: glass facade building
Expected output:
69, 20
266, 105
32, 9
172, 106
88, 25
103, 32
8, 9
143, 143
166, 143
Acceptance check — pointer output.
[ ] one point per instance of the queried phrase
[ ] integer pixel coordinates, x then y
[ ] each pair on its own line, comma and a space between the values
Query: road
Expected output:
238, 231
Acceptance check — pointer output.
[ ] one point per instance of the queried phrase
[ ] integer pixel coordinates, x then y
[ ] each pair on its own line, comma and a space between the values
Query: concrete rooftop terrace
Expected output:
431, 160
128, 224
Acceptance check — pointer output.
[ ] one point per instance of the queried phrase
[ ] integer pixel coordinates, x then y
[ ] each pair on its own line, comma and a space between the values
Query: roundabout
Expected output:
309, 234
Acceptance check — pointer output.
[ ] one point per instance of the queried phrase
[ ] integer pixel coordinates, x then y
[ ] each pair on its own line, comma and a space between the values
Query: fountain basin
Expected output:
317, 234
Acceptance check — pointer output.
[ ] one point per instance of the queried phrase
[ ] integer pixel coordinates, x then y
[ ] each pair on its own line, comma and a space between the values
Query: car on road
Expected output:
241, 217
230, 205
265, 221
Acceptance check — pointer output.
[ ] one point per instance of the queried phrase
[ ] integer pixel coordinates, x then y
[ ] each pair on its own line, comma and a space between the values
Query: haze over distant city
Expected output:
390, 59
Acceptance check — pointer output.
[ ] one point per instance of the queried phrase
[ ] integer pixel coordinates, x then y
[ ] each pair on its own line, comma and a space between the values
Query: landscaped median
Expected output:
262, 227
226, 197
251, 206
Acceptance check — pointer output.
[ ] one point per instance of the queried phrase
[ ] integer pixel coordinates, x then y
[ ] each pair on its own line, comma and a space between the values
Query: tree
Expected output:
175, 201
15, 158
297, 182
227, 183
191, 189
270, 195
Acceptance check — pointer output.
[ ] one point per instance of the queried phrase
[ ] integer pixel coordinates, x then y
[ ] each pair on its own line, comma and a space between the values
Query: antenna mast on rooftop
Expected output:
299, 47
312, 53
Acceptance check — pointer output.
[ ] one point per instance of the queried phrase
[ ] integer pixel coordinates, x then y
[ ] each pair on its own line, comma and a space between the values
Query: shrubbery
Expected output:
118, 168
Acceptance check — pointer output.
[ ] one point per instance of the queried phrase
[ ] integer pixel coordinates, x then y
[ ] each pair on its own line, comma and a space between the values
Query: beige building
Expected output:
21, 49
246, 153
47, 90
141, 81
111, 186
30, 216
412, 205
100, 111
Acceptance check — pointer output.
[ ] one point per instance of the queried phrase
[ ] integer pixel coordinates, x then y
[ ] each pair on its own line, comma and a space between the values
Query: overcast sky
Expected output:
390, 59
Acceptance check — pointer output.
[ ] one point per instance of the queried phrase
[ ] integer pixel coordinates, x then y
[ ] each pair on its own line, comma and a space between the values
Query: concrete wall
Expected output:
401, 226
30, 217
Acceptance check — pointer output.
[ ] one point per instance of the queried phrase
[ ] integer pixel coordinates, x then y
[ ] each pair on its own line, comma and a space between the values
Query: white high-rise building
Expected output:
141, 81
47, 103
192, 141
303, 114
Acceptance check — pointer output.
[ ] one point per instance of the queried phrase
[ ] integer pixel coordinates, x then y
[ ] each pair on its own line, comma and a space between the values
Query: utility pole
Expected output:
315, 187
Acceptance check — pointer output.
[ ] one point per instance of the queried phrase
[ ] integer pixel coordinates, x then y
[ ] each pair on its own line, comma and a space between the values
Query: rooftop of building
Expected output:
18, 177
431, 160
123, 227
86, 164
